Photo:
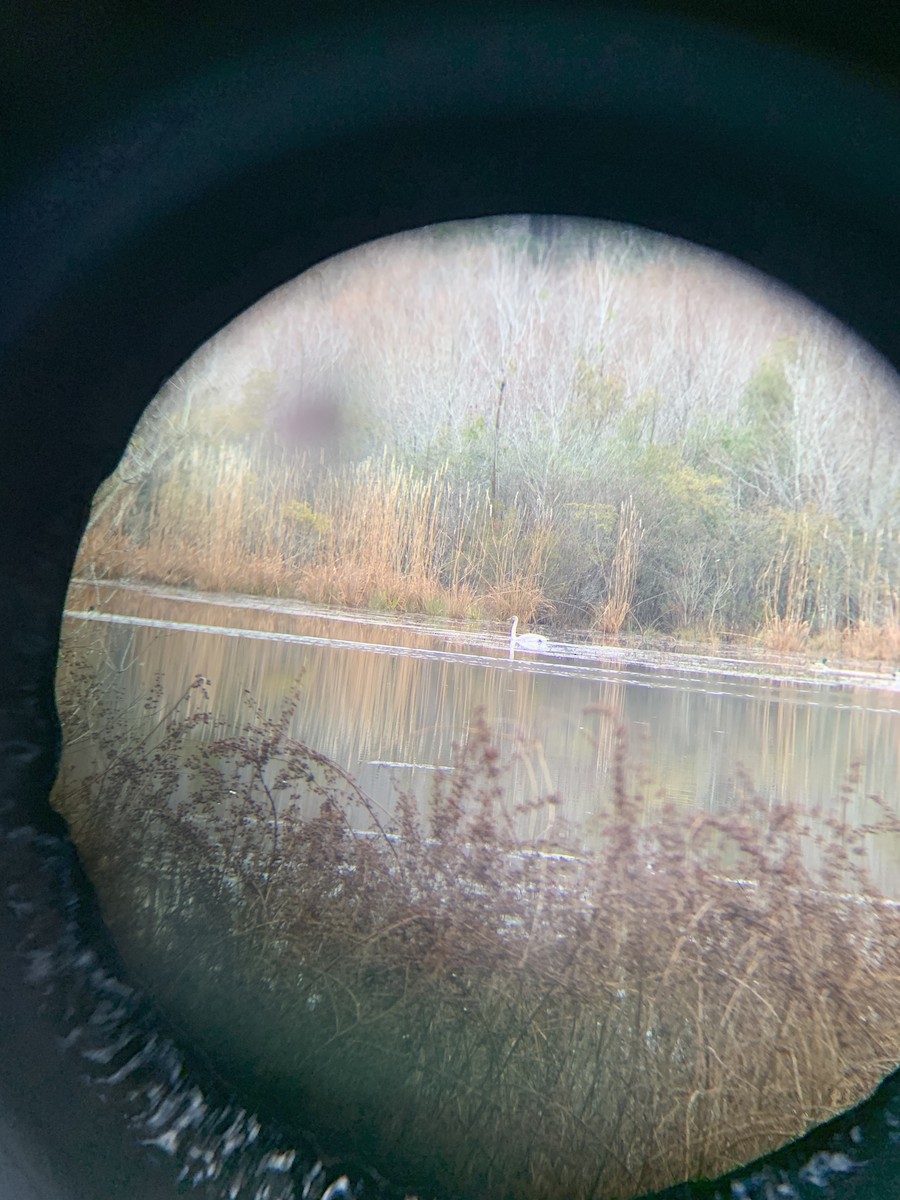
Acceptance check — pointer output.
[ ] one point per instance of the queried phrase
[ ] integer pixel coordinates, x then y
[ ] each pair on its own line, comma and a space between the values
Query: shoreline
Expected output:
688, 653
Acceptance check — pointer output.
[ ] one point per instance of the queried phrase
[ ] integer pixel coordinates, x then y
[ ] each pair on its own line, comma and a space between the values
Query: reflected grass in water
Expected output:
469, 1010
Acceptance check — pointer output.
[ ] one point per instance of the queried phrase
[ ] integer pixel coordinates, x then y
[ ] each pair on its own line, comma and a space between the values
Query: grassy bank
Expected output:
386, 536
465, 1010
374, 535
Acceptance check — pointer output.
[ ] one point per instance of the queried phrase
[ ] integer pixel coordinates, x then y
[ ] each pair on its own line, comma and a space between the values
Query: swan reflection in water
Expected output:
525, 641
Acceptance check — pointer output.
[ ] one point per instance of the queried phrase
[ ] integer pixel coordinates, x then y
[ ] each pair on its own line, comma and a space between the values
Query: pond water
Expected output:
388, 698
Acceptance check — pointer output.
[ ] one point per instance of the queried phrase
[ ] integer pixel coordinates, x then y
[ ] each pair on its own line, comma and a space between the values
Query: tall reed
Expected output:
616, 609
383, 533
372, 534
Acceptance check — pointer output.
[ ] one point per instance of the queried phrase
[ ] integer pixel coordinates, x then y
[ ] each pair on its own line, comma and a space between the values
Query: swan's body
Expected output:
525, 641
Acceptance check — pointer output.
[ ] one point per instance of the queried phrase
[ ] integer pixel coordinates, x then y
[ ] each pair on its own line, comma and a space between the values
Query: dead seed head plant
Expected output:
469, 1009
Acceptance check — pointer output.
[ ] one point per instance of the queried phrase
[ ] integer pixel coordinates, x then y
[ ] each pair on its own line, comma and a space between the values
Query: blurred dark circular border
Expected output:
131, 236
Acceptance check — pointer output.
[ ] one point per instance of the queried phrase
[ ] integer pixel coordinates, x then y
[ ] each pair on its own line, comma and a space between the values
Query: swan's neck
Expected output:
515, 626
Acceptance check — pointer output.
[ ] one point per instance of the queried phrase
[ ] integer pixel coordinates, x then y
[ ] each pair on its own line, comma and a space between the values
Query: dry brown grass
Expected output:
468, 1010
615, 611
380, 534
785, 634
869, 642
371, 535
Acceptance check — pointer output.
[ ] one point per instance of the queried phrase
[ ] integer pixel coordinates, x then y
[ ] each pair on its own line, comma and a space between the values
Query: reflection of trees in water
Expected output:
604, 1024
362, 709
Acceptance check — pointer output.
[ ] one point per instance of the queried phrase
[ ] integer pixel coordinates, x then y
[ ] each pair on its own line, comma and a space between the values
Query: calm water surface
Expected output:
387, 699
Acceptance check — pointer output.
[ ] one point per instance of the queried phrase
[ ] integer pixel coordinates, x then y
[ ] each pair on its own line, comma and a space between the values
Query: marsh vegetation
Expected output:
590, 427
468, 1010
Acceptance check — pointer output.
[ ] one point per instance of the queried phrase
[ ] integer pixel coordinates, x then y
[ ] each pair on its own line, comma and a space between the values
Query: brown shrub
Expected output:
867, 641
785, 634
471, 1009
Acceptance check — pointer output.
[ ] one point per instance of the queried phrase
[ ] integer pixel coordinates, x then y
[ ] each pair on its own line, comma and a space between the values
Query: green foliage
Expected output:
301, 514
436, 606
767, 400
759, 448
598, 398
638, 424
474, 432
692, 496
597, 518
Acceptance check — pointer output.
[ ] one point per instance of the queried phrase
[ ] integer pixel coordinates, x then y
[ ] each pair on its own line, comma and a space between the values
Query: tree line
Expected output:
578, 423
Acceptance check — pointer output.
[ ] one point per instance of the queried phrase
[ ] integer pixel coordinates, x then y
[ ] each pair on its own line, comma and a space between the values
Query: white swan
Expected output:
525, 641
